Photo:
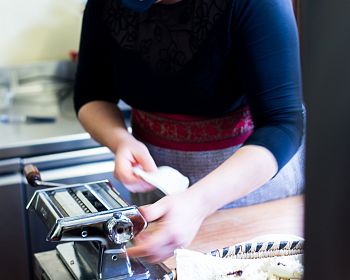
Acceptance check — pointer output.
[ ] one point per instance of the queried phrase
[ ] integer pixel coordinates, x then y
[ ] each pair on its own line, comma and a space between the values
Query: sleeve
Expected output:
269, 48
94, 75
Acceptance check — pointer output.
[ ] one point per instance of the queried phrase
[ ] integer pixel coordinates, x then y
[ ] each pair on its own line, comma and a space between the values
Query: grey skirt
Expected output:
195, 165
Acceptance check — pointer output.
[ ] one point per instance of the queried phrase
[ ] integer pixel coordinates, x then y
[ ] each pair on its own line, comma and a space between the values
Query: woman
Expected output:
216, 93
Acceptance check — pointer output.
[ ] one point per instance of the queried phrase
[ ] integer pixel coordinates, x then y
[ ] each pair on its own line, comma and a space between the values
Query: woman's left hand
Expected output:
175, 220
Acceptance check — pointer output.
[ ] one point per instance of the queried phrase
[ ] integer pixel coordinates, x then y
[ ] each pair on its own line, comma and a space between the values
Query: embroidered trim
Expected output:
189, 133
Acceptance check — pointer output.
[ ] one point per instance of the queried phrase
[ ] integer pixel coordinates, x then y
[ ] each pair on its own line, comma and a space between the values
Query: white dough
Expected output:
166, 178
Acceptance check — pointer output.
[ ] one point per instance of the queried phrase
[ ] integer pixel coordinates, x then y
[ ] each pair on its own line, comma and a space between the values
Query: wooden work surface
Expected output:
228, 227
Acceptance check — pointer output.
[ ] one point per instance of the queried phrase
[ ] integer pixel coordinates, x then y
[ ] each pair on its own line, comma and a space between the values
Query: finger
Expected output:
139, 251
161, 255
153, 253
134, 188
144, 186
144, 158
153, 212
139, 186
148, 241
164, 253
123, 170
142, 249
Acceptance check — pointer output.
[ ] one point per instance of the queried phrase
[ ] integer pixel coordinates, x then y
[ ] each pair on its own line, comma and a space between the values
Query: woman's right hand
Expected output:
114, 135
130, 153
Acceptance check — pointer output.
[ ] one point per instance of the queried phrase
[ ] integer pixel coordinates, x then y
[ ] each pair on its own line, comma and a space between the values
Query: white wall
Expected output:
38, 30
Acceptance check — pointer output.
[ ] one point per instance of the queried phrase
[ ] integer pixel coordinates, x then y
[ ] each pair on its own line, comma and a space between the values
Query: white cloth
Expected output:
192, 265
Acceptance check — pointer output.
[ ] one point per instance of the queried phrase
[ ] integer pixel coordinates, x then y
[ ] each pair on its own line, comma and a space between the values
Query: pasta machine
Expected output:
94, 226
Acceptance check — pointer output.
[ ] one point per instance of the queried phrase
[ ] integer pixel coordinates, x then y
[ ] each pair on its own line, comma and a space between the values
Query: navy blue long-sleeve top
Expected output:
198, 57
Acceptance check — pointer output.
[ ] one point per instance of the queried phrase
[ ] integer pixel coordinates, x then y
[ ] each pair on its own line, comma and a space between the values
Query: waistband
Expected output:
192, 133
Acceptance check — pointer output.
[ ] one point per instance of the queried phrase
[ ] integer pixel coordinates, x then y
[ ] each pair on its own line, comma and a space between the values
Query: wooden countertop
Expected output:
223, 228
228, 227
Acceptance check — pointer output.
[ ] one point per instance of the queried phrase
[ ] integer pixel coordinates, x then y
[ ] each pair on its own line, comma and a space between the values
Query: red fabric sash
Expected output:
189, 133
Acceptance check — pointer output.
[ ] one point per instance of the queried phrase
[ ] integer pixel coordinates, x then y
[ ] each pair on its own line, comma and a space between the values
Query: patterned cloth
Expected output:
189, 133
197, 164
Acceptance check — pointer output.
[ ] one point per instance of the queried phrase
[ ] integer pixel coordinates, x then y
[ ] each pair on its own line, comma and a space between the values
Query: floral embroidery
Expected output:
166, 38
123, 25
200, 130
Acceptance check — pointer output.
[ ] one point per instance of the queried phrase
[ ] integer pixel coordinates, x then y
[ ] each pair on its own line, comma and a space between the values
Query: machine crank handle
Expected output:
32, 174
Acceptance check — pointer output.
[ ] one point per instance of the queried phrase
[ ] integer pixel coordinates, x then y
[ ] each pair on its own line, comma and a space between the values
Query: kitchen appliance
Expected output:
55, 142
96, 224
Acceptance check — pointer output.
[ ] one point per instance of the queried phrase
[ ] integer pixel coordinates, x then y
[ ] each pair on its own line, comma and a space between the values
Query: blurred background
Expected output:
38, 51
38, 30
38, 46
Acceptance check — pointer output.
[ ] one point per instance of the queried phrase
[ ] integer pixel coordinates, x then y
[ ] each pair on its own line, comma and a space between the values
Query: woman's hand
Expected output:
114, 134
130, 153
175, 220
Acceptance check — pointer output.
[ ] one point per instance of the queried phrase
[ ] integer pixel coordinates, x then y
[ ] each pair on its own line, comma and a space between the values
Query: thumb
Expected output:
146, 161
153, 212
